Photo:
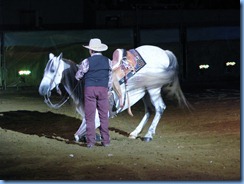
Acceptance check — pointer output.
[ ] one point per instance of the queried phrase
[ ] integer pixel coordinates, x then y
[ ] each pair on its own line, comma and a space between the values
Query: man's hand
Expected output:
78, 76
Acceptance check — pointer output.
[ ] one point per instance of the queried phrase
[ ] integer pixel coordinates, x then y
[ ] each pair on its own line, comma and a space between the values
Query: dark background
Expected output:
78, 14
197, 31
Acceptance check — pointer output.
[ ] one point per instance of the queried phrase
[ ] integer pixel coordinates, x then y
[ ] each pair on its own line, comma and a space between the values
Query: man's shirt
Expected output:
84, 67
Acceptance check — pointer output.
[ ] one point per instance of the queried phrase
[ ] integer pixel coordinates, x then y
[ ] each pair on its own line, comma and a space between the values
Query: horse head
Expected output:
52, 74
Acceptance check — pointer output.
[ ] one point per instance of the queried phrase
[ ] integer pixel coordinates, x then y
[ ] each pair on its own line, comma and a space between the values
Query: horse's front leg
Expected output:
82, 129
81, 132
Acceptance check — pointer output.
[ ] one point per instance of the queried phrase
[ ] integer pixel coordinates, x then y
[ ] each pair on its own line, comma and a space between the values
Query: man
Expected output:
96, 70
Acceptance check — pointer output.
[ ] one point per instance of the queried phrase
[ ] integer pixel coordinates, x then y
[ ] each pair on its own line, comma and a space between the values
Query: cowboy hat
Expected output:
96, 45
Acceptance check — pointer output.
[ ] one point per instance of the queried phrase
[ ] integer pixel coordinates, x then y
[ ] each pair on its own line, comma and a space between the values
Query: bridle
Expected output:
46, 97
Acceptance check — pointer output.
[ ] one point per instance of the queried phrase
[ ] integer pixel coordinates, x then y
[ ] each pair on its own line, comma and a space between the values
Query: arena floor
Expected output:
204, 145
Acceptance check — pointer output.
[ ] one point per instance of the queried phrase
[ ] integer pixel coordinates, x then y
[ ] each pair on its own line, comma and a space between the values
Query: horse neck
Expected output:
73, 87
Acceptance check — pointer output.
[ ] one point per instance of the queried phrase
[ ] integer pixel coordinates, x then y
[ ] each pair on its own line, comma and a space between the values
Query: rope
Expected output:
62, 102
57, 105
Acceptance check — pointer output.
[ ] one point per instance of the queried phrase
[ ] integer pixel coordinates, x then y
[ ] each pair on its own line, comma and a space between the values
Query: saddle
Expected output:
124, 65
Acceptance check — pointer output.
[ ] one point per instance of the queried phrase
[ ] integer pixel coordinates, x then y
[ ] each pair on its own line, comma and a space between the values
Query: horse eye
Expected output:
52, 70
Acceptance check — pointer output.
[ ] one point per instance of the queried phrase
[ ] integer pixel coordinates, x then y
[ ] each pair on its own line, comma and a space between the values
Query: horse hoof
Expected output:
147, 139
77, 138
132, 137
98, 138
83, 139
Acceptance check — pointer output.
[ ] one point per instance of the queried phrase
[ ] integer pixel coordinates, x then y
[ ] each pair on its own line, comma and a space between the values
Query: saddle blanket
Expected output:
140, 63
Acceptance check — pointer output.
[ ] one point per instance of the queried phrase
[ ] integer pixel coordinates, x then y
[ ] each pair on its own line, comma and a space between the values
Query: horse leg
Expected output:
81, 132
148, 110
157, 101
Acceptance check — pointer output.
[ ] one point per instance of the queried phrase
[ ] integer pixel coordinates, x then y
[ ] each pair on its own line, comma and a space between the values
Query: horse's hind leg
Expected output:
148, 111
157, 101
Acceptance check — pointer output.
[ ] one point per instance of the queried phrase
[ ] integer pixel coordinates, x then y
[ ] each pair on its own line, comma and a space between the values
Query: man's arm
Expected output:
83, 68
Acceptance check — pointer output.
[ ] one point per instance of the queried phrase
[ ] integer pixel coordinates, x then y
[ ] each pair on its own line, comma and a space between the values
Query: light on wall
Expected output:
203, 66
233, 63
24, 72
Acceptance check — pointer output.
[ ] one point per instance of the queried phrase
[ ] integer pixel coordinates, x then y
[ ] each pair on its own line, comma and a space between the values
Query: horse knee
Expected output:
161, 109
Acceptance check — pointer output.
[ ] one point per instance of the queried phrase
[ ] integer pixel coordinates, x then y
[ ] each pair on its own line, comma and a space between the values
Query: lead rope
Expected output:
63, 101
57, 105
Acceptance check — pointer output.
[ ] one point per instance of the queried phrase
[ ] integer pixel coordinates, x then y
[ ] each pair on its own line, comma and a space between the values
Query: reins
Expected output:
63, 100
57, 105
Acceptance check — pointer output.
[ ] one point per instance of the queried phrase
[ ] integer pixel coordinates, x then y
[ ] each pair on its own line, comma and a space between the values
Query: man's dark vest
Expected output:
98, 73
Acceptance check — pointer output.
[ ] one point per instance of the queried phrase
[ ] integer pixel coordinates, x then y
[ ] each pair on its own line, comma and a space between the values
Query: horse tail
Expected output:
174, 88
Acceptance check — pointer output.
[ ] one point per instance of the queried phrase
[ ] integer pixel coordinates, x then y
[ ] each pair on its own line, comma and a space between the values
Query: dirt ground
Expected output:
37, 142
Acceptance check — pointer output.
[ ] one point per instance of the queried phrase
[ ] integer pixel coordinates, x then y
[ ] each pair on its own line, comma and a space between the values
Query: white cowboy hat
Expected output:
96, 45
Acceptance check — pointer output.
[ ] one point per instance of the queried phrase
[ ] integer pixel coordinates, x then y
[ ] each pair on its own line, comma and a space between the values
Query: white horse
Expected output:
159, 72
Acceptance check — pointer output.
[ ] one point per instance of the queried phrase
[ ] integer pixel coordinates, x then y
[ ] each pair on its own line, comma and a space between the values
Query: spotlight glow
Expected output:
230, 63
204, 66
24, 72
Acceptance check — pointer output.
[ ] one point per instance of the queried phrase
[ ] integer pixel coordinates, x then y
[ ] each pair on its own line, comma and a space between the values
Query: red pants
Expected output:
96, 98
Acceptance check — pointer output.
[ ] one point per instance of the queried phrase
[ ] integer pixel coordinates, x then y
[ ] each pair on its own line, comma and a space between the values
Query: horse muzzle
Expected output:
44, 91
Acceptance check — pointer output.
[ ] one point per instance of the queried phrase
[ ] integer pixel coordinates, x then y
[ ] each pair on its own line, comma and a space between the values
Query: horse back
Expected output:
155, 57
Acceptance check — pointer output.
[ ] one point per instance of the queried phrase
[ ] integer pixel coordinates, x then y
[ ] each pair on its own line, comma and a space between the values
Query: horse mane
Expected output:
74, 87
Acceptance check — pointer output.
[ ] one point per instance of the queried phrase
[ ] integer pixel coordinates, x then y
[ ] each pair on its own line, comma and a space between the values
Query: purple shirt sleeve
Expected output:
83, 68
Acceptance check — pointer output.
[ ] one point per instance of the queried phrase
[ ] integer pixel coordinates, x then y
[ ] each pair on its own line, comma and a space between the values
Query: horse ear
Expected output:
60, 55
51, 56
